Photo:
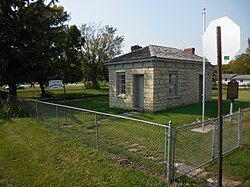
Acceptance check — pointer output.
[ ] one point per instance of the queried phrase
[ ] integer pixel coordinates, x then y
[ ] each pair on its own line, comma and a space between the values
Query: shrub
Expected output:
10, 110
10, 107
104, 84
88, 84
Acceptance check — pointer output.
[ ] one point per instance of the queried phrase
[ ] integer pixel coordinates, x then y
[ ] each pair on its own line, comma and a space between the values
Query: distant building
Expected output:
155, 78
243, 80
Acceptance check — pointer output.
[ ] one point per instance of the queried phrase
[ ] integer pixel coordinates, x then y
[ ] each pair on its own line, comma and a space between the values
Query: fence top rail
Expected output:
197, 123
99, 113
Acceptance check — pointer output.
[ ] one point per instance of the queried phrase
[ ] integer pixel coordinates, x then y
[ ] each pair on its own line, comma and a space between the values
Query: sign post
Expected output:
232, 93
221, 38
219, 65
57, 85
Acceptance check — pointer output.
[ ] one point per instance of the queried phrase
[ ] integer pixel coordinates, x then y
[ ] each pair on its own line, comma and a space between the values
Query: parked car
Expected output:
6, 87
18, 86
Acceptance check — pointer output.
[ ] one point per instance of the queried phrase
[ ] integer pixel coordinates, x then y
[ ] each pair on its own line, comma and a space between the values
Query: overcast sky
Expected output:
170, 23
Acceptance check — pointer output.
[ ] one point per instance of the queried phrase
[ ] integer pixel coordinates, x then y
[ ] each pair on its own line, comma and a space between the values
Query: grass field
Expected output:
35, 155
70, 91
235, 163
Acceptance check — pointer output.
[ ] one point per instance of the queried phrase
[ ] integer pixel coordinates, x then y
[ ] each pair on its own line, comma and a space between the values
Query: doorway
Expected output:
139, 91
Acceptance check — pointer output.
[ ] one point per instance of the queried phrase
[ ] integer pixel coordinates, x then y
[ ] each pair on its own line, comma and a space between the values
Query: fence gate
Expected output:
194, 147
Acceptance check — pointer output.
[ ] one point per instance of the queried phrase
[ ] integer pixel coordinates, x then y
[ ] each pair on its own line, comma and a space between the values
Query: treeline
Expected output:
241, 65
37, 45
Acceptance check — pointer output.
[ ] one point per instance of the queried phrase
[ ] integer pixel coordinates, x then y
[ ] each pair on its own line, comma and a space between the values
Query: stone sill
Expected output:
121, 96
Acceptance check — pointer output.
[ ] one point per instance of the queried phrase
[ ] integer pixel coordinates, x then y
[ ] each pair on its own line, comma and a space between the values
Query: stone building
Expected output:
156, 78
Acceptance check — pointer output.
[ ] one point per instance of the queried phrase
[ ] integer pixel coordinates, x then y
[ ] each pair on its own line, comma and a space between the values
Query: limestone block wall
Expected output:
188, 88
156, 87
127, 102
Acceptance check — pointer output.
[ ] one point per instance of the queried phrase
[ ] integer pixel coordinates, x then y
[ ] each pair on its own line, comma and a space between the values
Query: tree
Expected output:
12, 45
31, 38
100, 44
71, 58
49, 42
241, 65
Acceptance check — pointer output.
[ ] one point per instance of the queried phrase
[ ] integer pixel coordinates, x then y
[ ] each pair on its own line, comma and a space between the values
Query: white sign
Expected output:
230, 40
55, 84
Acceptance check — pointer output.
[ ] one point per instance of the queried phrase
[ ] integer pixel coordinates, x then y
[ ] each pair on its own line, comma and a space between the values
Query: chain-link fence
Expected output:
140, 144
195, 146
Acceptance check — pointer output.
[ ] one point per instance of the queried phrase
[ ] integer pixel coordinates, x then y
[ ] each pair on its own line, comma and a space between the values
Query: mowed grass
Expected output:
100, 104
33, 154
235, 165
71, 92
188, 114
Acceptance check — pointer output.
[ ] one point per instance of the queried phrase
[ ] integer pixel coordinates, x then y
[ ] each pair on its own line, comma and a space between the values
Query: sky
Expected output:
169, 23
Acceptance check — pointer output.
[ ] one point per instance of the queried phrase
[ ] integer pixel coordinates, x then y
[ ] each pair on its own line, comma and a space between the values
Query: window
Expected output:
172, 84
121, 87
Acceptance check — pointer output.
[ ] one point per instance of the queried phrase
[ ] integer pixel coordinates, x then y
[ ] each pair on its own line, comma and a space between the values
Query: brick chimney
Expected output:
135, 47
190, 50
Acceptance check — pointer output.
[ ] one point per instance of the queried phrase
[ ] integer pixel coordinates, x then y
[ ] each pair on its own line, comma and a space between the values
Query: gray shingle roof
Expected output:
242, 77
158, 52
235, 76
228, 76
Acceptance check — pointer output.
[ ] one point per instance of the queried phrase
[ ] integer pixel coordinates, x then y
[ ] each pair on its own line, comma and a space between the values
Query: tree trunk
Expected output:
93, 79
93, 76
43, 94
12, 89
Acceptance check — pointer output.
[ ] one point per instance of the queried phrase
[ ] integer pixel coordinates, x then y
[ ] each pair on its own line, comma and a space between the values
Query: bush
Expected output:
104, 84
88, 84
10, 107
10, 110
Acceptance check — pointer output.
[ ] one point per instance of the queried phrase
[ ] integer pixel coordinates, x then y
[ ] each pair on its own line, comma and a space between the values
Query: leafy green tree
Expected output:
241, 65
49, 42
71, 58
13, 42
31, 39
100, 44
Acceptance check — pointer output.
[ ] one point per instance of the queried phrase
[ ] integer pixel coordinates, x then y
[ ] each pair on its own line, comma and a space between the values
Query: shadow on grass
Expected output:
210, 108
188, 114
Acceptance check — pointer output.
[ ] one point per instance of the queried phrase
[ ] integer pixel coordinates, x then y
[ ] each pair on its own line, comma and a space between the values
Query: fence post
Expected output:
239, 126
57, 118
36, 111
97, 133
214, 139
165, 149
169, 165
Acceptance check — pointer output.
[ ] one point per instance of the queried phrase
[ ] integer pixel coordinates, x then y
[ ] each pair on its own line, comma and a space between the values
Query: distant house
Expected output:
155, 78
243, 80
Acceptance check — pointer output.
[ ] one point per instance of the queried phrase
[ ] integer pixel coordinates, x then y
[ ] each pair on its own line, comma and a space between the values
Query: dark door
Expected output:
139, 91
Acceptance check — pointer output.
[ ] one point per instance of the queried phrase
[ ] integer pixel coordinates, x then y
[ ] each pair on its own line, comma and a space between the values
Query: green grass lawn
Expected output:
32, 154
72, 92
234, 164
